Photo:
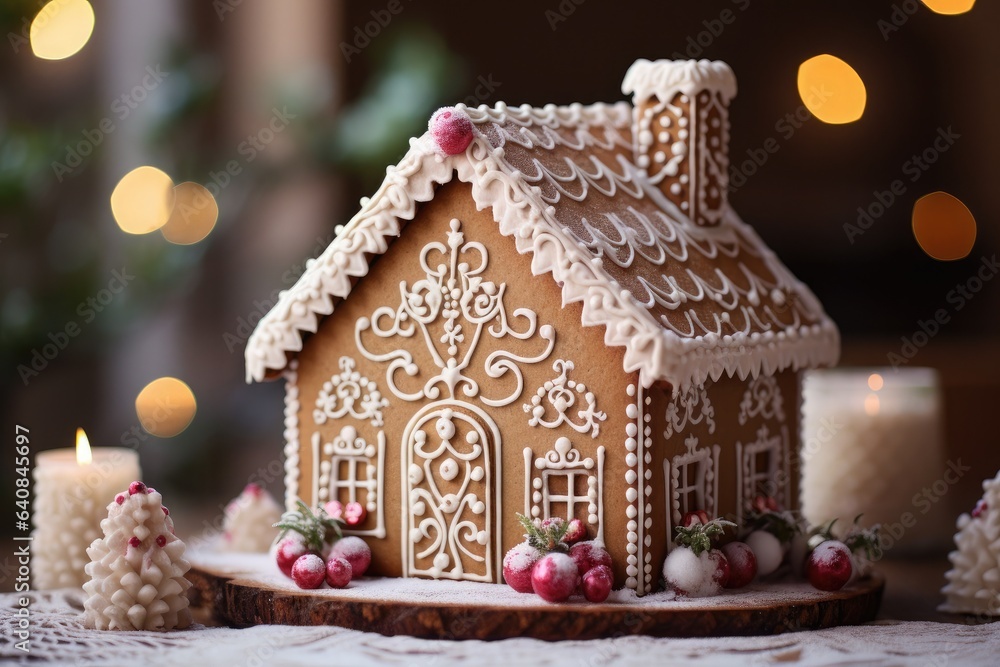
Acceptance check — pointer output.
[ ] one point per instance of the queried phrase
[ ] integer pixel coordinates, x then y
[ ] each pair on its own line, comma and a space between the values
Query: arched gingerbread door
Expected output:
451, 493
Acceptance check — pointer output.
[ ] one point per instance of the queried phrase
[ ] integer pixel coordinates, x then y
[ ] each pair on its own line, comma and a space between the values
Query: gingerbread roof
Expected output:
690, 294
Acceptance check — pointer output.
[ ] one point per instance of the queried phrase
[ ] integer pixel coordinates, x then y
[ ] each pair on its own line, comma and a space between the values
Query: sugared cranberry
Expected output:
355, 551
742, 564
161, 541
517, 565
554, 577
577, 531
588, 555
136, 487
309, 571
338, 572
354, 514
134, 542
597, 584
289, 550
120, 498
697, 518
452, 130
335, 509
829, 566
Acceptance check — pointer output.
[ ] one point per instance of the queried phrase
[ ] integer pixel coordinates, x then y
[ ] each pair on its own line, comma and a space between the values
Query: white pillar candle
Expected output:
873, 445
71, 499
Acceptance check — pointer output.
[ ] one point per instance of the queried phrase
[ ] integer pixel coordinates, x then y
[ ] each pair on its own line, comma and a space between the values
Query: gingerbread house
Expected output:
562, 318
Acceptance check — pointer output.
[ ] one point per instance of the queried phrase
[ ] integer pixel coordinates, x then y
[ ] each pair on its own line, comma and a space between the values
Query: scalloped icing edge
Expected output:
665, 78
657, 354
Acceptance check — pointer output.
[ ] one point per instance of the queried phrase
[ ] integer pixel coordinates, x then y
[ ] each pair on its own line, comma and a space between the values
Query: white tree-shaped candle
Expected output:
974, 580
137, 569
250, 519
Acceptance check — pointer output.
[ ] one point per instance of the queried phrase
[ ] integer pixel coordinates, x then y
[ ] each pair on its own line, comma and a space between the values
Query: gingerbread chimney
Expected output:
680, 131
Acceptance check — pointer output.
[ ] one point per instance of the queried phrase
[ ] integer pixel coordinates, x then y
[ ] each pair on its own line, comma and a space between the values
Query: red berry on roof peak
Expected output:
451, 129
136, 487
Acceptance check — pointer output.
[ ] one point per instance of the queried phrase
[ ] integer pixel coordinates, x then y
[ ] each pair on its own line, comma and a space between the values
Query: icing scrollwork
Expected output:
561, 395
349, 394
449, 310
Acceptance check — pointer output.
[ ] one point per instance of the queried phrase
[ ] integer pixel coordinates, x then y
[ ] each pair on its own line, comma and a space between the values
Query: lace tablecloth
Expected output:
57, 636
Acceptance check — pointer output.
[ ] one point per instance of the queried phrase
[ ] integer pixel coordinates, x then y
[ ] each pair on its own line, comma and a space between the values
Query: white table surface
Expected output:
58, 637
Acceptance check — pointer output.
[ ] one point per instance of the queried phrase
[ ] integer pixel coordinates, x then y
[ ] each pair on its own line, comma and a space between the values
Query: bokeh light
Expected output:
165, 407
949, 6
871, 405
194, 214
142, 200
61, 28
875, 382
944, 227
831, 89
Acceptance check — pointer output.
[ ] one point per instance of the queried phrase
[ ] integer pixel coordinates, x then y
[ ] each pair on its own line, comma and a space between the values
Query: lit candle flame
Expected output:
83, 455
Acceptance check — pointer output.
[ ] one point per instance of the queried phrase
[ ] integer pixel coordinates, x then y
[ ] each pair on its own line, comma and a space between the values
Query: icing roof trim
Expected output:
655, 352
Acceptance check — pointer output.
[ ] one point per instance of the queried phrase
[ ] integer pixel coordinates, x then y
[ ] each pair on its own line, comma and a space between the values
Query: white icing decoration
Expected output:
751, 480
564, 461
974, 578
664, 79
291, 435
687, 409
561, 394
762, 398
636, 458
449, 310
349, 394
675, 344
694, 472
447, 527
365, 465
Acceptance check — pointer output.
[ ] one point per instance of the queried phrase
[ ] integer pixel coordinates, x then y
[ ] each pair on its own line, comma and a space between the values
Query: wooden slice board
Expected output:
242, 597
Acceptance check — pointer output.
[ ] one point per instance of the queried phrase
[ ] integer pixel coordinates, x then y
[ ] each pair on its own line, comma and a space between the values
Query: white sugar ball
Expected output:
767, 549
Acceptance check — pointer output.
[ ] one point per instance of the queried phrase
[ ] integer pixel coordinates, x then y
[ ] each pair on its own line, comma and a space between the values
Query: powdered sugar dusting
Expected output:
521, 557
351, 547
691, 573
260, 570
828, 553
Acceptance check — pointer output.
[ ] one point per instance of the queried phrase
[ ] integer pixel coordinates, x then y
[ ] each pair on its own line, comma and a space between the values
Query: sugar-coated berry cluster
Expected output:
313, 551
773, 541
555, 562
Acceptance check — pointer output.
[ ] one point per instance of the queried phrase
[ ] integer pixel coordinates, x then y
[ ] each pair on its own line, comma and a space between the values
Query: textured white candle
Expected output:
71, 500
872, 445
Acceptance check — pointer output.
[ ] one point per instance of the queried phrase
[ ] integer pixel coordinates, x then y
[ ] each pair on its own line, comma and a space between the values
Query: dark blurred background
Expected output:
352, 100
